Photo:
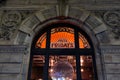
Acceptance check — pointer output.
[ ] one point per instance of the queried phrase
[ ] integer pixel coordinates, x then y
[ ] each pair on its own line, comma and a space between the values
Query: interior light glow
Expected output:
81, 64
51, 70
51, 62
82, 70
81, 60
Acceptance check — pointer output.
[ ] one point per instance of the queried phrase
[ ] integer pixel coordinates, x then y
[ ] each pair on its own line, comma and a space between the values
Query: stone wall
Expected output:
111, 62
11, 62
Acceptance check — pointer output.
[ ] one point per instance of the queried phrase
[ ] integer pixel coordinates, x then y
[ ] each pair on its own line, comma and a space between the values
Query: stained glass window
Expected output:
62, 45
83, 43
41, 43
62, 37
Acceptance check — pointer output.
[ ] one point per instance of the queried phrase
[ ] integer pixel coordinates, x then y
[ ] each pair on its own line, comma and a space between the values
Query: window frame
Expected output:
66, 51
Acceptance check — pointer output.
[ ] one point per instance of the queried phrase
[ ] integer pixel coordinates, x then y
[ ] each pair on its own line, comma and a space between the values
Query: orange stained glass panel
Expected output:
41, 43
62, 40
62, 37
83, 43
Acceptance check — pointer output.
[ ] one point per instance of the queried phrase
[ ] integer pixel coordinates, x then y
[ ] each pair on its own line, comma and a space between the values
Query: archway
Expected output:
66, 42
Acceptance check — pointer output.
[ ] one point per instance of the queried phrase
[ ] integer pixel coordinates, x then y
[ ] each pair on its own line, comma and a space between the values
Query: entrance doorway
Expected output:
62, 51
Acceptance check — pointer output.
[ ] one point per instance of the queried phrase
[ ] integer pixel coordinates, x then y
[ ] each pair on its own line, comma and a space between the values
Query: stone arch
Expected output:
91, 25
94, 23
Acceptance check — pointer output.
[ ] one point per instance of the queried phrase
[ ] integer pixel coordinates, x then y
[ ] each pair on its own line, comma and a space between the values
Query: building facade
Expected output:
36, 33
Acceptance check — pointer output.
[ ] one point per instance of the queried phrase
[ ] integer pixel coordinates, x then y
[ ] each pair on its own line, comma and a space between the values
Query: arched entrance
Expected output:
58, 44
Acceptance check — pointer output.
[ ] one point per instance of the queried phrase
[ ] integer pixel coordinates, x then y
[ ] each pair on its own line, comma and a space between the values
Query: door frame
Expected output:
76, 51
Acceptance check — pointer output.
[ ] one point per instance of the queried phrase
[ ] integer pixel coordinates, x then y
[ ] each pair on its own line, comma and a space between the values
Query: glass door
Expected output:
62, 52
86, 66
38, 63
62, 67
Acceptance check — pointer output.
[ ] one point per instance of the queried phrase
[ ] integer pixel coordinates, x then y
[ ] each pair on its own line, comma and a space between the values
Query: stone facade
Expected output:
11, 62
19, 20
111, 62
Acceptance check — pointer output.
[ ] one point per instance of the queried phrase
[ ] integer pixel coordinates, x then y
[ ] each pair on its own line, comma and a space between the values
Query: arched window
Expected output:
62, 51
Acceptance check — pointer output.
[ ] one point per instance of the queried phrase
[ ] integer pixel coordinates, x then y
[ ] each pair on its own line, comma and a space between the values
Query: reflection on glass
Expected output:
62, 37
37, 67
41, 43
86, 64
62, 67
83, 43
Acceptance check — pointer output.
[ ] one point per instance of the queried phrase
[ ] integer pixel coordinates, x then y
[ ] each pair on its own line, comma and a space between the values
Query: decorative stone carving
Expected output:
112, 18
4, 34
10, 22
11, 19
116, 31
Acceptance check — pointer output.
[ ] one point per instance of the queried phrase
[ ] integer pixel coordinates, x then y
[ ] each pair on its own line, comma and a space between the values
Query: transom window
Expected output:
62, 51
62, 37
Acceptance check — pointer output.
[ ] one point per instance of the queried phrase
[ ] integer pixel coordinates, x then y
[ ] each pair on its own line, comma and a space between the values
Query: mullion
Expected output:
78, 67
47, 56
46, 67
76, 38
48, 39
94, 67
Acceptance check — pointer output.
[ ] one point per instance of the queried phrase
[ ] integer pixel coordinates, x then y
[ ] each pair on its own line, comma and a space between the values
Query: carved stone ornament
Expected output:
112, 18
11, 18
9, 23
116, 31
5, 34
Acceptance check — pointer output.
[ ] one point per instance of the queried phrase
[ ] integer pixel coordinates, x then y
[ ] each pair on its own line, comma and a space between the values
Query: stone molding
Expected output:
110, 49
12, 49
11, 61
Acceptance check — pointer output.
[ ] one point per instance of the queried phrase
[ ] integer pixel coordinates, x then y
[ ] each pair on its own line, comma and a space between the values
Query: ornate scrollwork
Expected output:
112, 18
9, 23
4, 34
116, 31
11, 19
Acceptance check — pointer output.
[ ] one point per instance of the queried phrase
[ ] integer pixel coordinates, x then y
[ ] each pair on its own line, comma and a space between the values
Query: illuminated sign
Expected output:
62, 43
